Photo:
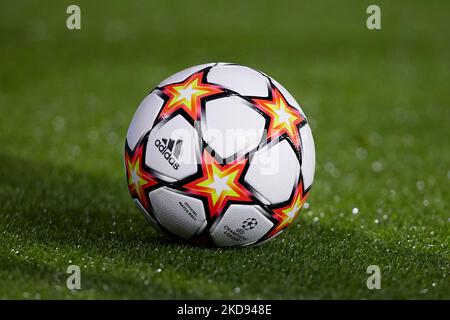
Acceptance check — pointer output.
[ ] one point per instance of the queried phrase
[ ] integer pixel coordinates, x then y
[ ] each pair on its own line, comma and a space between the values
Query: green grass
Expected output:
67, 97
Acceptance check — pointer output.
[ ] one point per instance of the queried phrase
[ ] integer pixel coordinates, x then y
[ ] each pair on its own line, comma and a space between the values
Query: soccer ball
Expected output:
220, 154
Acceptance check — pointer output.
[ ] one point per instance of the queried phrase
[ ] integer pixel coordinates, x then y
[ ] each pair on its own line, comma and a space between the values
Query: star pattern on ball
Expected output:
284, 119
138, 179
287, 214
219, 184
187, 95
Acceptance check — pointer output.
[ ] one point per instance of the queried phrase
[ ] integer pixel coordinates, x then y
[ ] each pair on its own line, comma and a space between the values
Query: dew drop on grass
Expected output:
420, 185
306, 205
377, 221
75, 151
158, 270
361, 153
92, 135
59, 123
237, 290
426, 203
377, 166
112, 137
355, 210
329, 167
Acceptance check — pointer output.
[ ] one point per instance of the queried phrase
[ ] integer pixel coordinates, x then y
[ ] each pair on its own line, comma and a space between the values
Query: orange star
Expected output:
187, 95
287, 214
283, 117
138, 179
219, 184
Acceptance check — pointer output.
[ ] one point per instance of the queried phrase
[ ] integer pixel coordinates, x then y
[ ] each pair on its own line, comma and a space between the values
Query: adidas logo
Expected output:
171, 150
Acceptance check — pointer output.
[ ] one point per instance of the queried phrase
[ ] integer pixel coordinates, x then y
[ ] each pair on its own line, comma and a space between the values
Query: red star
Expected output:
287, 214
283, 117
138, 179
219, 184
187, 95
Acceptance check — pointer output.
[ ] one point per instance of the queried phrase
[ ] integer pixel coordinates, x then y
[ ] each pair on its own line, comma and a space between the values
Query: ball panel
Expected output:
308, 155
243, 80
146, 214
182, 215
273, 172
231, 126
240, 225
183, 74
144, 118
172, 149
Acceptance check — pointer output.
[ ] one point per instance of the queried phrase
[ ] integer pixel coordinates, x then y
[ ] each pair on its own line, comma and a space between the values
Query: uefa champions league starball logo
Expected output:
249, 223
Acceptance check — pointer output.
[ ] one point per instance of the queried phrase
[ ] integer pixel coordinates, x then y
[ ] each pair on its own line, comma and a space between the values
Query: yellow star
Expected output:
138, 179
219, 184
187, 95
286, 215
283, 117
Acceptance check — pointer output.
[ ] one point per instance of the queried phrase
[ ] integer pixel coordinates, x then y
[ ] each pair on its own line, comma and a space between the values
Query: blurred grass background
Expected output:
378, 102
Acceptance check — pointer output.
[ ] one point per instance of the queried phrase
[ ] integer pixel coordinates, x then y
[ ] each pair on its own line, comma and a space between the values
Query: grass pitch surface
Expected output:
378, 102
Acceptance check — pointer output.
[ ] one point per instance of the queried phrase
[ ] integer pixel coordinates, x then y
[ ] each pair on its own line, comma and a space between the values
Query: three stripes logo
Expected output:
171, 150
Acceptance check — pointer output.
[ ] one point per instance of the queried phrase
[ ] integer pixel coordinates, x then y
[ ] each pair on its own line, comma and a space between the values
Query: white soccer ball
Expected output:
220, 154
